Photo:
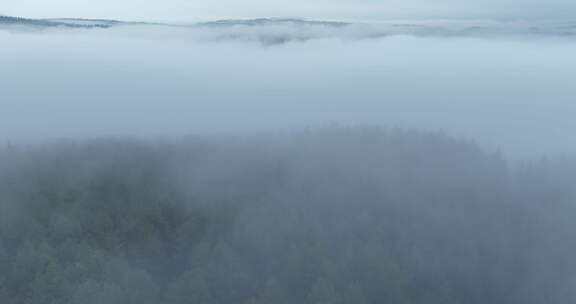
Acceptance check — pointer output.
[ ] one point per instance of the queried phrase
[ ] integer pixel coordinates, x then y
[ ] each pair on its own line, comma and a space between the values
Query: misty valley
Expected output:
287, 160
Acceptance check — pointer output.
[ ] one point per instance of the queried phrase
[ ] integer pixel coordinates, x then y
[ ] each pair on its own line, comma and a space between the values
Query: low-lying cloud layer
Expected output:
514, 92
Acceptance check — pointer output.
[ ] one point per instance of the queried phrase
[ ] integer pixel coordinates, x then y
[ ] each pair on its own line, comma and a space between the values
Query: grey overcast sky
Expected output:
183, 10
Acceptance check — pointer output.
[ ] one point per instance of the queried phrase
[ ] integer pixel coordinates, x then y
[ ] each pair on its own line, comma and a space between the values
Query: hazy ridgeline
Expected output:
332, 215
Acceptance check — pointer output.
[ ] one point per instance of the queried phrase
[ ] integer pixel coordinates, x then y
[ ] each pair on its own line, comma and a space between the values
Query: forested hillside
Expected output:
360, 215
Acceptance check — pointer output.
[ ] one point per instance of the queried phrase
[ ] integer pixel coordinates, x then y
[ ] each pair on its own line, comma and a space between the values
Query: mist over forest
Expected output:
287, 160
511, 92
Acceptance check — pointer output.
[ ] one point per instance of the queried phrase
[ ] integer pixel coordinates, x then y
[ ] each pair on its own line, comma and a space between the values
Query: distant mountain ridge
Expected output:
300, 29
9, 20
107, 23
88, 22
273, 21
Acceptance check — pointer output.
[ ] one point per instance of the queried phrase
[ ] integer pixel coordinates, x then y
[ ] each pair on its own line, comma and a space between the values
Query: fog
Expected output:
513, 93
326, 215
279, 161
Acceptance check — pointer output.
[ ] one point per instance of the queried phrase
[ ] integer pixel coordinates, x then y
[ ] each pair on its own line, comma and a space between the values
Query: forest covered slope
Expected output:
359, 215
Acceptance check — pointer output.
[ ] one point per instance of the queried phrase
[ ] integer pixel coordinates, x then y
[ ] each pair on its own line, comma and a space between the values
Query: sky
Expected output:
191, 10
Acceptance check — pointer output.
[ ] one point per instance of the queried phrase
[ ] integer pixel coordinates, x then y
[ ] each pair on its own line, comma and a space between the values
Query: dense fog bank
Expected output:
331, 215
197, 193
514, 94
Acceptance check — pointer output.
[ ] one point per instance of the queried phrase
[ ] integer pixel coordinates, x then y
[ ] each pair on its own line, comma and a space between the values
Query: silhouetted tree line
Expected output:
357, 215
